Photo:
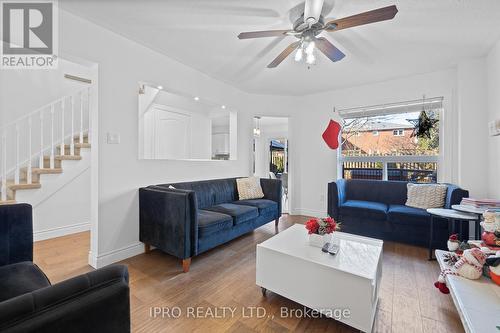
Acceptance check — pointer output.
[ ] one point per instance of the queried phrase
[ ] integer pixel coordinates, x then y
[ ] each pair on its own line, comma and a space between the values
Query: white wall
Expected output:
493, 70
472, 126
66, 211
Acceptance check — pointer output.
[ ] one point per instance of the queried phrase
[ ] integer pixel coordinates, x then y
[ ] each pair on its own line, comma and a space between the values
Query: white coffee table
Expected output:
290, 267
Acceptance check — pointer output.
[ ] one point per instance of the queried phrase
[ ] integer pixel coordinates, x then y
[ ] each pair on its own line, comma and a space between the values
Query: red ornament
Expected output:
331, 134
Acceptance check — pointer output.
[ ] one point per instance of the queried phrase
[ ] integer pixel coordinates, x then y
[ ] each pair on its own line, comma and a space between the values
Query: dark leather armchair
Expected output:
94, 302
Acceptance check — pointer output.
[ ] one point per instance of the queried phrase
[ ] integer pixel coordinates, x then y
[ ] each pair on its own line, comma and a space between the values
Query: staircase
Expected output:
38, 143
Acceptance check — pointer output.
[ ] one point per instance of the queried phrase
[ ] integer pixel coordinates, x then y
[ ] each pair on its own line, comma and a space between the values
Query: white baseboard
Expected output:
116, 255
308, 212
61, 231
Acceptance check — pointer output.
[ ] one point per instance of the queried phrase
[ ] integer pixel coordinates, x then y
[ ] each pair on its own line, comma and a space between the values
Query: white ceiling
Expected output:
426, 35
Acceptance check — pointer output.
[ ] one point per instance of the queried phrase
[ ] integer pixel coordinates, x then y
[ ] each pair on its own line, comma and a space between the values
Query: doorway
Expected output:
270, 153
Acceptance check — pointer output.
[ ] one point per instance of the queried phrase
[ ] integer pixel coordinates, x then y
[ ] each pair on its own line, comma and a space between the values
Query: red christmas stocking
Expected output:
331, 134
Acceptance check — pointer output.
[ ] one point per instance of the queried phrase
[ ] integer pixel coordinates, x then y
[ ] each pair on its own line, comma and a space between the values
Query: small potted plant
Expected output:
320, 230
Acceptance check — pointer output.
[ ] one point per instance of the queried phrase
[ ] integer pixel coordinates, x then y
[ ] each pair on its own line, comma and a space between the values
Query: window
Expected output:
398, 132
393, 155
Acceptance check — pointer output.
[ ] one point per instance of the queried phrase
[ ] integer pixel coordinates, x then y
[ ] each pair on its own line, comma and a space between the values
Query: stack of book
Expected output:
481, 203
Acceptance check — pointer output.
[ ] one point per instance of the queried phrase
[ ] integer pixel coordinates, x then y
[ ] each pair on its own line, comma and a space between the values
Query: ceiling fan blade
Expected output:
333, 53
377, 15
286, 52
259, 34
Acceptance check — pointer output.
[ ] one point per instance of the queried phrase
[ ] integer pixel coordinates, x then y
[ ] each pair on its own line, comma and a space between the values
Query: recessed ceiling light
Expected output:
196, 98
223, 106
160, 87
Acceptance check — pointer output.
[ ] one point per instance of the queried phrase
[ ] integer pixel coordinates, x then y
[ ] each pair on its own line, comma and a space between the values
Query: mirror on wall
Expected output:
177, 126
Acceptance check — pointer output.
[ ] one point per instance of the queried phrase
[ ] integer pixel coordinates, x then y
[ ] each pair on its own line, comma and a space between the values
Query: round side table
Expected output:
451, 215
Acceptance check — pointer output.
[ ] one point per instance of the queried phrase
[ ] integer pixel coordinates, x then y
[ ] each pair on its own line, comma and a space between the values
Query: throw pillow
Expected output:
249, 188
426, 195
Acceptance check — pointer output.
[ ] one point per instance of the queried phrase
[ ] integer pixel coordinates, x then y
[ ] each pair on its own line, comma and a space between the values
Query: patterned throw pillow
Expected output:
249, 188
426, 195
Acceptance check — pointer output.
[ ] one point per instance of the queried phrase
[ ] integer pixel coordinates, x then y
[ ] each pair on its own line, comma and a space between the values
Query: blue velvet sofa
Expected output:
94, 302
377, 208
186, 219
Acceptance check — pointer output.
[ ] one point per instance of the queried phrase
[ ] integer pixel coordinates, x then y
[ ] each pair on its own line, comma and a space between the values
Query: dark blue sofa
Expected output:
94, 302
197, 216
377, 208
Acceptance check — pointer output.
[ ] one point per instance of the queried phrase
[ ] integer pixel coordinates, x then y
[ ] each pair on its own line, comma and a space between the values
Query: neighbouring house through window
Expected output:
378, 143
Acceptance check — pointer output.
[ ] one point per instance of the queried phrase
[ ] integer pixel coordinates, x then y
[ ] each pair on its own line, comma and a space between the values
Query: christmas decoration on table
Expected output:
450, 259
453, 243
469, 266
424, 124
491, 226
493, 263
331, 134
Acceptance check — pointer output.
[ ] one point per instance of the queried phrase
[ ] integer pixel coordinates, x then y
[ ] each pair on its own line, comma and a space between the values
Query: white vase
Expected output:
318, 240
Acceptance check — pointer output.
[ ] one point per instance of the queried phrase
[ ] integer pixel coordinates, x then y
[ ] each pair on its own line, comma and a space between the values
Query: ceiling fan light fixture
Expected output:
299, 54
310, 59
310, 48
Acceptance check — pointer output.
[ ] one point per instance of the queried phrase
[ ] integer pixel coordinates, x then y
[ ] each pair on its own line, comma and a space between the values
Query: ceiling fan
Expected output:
311, 23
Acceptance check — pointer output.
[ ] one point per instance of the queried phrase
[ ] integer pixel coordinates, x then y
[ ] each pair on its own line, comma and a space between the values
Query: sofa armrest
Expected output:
16, 234
94, 302
273, 190
336, 197
168, 220
454, 195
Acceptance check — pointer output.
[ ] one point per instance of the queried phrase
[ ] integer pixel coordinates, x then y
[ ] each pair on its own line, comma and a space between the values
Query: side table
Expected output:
451, 215
472, 210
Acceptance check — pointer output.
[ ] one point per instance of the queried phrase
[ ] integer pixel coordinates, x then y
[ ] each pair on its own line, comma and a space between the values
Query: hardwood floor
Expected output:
225, 277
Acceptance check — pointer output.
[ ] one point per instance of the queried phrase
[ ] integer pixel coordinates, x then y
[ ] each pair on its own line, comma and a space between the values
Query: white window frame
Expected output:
385, 160
398, 132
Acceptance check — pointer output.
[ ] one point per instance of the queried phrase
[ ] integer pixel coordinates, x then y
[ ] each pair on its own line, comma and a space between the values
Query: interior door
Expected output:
172, 134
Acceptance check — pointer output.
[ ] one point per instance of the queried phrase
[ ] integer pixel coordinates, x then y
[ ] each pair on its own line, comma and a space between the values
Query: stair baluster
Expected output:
40, 164
63, 150
72, 143
29, 175
89, 110
81, 117
16, 171
52, 145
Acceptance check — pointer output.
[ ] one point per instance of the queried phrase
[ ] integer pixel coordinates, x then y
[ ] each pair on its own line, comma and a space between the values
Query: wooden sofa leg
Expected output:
185, 264
147, 248
276, 222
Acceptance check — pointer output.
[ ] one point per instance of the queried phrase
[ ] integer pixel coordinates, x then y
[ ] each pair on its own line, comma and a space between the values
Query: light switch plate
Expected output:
113, 138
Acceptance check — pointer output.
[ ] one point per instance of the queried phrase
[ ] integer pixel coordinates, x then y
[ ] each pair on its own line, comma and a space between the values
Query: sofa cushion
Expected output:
366, 209
426, 195
240, 213
249, 188
212, 222
20, 278
265, 206
401, 214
